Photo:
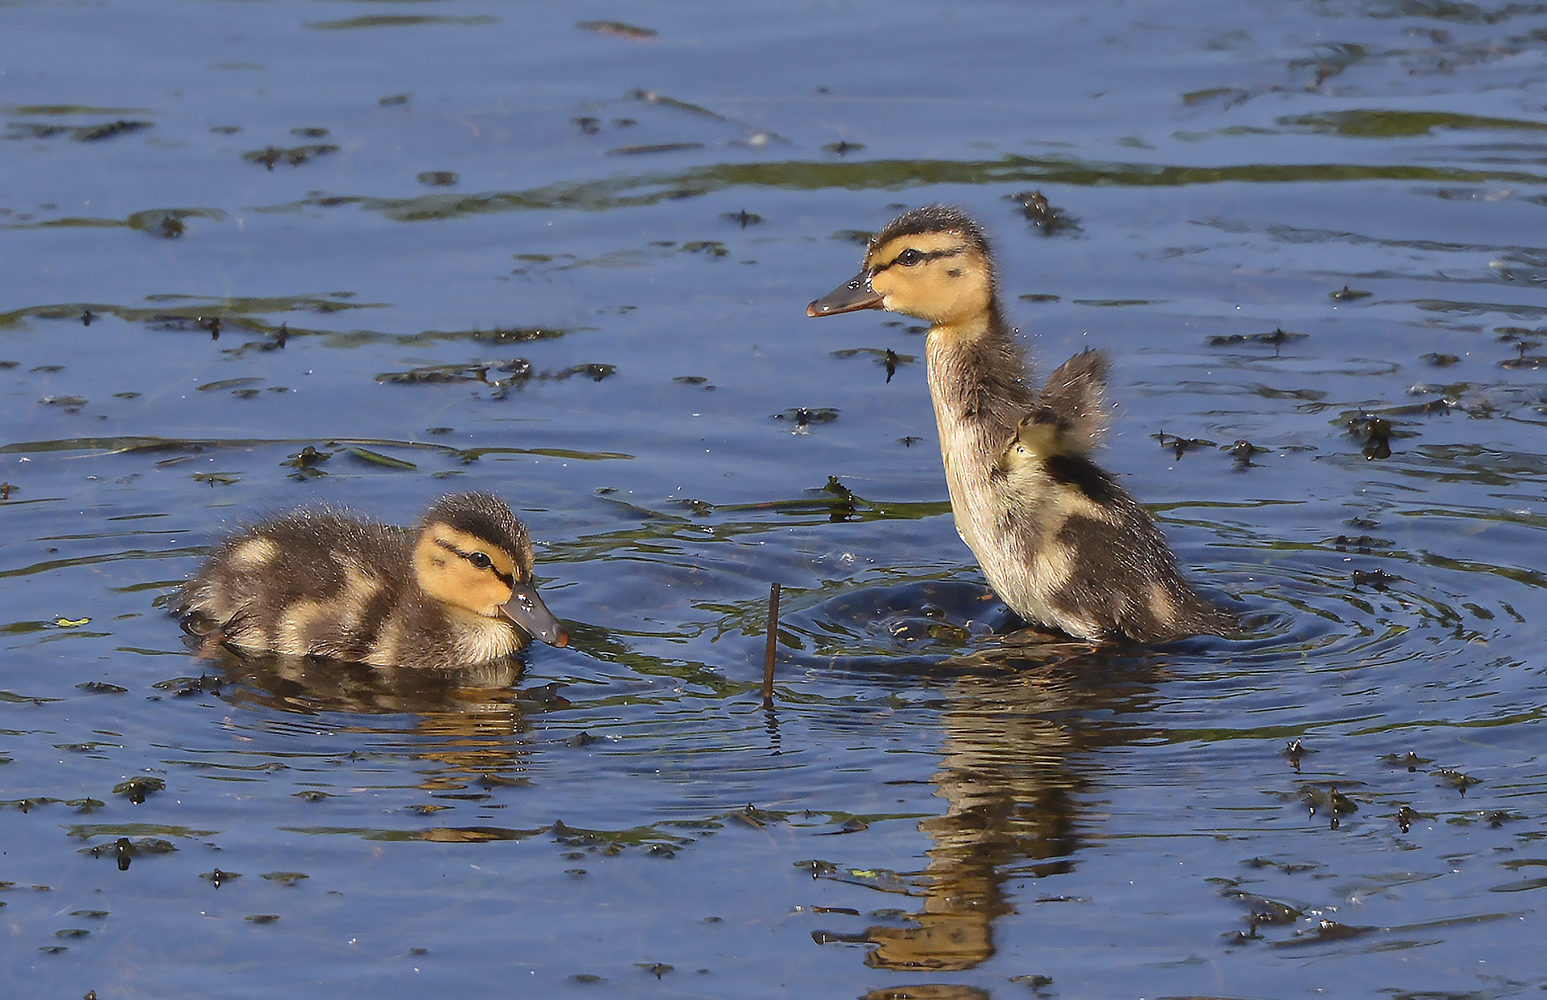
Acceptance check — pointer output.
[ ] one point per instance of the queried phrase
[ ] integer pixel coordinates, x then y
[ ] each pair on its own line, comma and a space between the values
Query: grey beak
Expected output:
526, 609
853, 294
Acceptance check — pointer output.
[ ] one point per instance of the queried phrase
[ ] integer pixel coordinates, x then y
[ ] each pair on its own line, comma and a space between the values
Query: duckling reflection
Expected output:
1012, 805
465, 725
320, 582
1058, 540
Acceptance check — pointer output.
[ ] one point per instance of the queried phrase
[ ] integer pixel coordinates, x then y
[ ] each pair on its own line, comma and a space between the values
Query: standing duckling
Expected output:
1060, 541
319, 582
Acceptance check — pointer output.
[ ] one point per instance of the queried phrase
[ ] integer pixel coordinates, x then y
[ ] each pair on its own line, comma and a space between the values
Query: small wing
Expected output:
1076, 391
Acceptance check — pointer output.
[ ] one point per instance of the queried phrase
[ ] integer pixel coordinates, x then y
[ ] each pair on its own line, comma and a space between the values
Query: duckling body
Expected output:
320, 582
1059, 540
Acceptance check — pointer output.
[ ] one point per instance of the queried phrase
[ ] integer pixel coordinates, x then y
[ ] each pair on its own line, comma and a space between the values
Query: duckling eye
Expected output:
480, 560
909, 257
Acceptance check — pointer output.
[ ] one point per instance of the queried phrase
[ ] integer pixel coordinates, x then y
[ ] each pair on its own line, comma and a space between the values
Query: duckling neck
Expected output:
981, 387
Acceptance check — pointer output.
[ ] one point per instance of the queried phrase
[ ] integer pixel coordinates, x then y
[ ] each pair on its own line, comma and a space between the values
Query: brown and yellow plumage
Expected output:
321, 582
1060, 541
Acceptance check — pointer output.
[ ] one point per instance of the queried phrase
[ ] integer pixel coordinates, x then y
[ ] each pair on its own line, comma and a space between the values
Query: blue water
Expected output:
617, 214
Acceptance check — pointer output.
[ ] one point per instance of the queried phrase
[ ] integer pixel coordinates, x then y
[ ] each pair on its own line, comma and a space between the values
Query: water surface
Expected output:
562, 252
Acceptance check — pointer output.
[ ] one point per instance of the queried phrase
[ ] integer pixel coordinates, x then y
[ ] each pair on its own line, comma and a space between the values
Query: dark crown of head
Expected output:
934, 219
480, 515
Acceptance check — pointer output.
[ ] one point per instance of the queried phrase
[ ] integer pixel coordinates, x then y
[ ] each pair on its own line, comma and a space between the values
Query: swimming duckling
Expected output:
319, 582
1060, 542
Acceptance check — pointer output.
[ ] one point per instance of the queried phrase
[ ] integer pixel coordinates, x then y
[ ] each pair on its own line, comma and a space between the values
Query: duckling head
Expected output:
1042, 434
473, 555
932, 262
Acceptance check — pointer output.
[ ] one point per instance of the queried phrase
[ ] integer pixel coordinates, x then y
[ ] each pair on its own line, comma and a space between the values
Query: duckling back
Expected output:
1082, 553
320, 582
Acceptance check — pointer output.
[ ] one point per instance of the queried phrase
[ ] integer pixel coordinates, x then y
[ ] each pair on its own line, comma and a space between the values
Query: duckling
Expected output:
1060, 541
320, 582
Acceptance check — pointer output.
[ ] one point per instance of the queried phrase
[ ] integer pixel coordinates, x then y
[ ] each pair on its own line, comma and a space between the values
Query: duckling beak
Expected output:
853, 295
527, 610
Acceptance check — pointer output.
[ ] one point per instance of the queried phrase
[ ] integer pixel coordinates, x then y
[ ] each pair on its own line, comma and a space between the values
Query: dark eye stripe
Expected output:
505, 578
923, 257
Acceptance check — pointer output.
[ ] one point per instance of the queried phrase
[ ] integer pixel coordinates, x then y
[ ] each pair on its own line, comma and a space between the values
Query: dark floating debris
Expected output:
1434, 407
1278, 338
744, 218
217, 876
1455, 779
885, 357
1333, 802
309, 132
657, 147
1374, 432
1295, 750
714, 248
862, 237
843, 147
1378, 579
502, 335
1346, 294
36, 130
805, 416
1363, 544
1035, 207
100, 687
95, 133
1241, 453
1181, 445
1329, 930
125, 850
618, 29
188, 687
287, 879
294, 155
1409, 760
500, 376
394, 100
438, 178
306, 462
1524, 361
588, 124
